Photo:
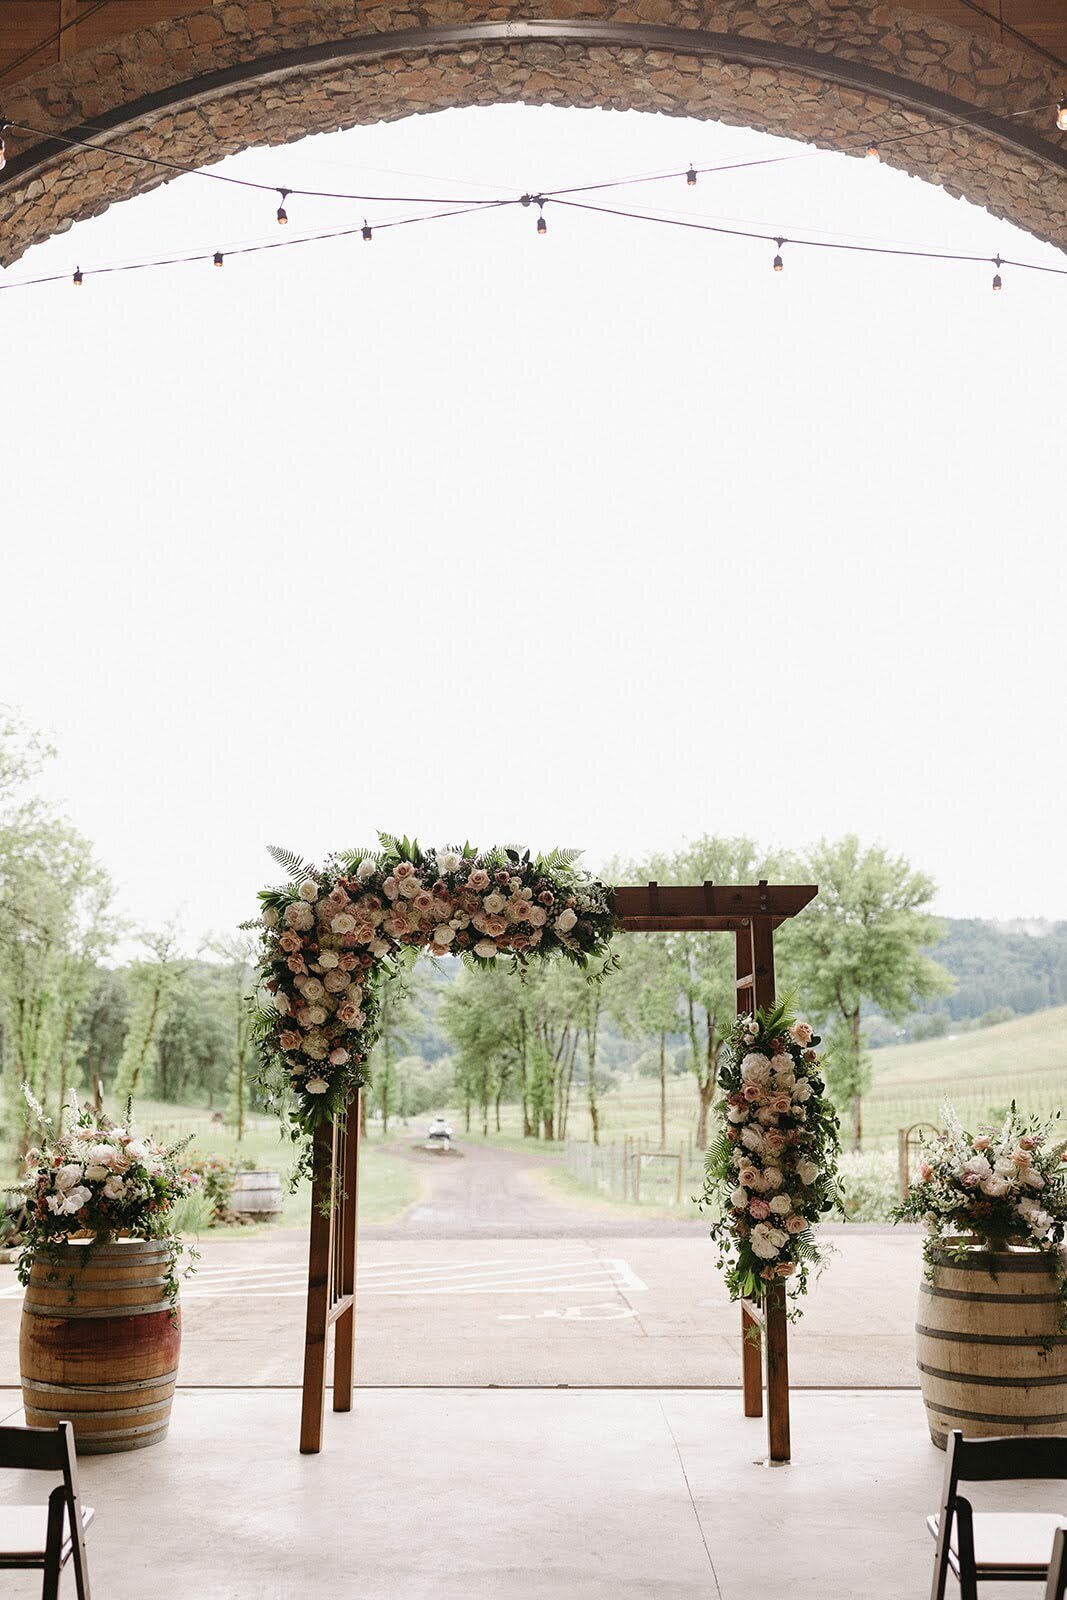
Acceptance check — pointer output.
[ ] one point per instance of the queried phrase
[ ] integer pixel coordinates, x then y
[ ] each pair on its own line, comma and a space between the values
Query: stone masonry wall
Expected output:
917, 50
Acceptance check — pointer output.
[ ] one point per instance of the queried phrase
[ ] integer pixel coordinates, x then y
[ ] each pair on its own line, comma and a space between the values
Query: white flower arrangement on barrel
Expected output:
1000, 1187
97, 1181
332, 936
771, 1172
991, 1329
100, 1340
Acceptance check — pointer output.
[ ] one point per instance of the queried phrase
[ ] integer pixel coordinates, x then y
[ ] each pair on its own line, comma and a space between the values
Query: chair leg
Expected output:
78, 1560
965, 1526
53, 1551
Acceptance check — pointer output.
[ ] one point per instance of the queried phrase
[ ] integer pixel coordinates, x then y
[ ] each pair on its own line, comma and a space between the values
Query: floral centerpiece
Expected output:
332, 936
998, 1187
99, 1181
771, 1172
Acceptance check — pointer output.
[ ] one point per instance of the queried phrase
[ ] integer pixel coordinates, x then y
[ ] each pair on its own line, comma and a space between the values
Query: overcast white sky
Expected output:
607, 538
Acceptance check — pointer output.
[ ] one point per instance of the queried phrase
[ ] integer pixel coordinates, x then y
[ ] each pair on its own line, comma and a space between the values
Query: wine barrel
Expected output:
99, 1344
257, 1194
990, 1354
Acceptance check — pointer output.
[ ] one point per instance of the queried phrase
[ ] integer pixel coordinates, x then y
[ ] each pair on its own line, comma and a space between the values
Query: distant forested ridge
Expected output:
995, 966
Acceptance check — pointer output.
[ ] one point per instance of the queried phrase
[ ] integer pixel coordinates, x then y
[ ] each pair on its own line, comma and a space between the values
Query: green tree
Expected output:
153, 985
645, 998
862, 941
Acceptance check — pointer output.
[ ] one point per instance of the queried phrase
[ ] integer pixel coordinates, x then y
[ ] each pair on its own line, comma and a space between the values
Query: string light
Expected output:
1061, 115
77, 277
873, 152
217, 258
3, 152
283, 215
691, 177
542, 225
778, 262
997, 282
367, 231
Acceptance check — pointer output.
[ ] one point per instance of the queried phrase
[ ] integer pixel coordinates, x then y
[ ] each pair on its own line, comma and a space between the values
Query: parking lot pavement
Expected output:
599, 1311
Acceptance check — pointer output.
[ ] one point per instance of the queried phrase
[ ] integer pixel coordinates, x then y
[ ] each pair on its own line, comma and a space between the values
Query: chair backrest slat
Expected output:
38, 1449
1015, 1456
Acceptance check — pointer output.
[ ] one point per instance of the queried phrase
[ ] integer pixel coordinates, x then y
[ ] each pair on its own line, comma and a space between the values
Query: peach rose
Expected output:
290, 942
780, 1103
337, 897
495, 927
751, 1093
362, 935
479, 880
785, 1269
402, 870
801, 1033
750, 1178
982, 1142
296, 964
338, 1057
796, 1223
289, 1040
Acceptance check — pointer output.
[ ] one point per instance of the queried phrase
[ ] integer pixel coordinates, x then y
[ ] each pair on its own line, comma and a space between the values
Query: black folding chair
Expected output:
45, 1536
1005, 1546
1056, 1587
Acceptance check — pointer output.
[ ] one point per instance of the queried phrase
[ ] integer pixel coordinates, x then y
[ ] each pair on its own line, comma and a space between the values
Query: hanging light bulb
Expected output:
283, 215
542, 225
691, 177
778, 262
3, 153
367, 231
218, 258
77, 277
1061, 115
872, 152
997, 281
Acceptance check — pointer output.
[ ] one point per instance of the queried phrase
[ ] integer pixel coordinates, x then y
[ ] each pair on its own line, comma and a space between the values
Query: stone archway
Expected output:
265, 72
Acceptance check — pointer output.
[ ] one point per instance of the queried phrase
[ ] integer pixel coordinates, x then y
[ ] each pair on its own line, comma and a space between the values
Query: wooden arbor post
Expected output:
750, 913
331, 1301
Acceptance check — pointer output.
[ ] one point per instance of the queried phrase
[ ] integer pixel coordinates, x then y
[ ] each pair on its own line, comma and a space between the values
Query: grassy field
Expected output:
387, 1185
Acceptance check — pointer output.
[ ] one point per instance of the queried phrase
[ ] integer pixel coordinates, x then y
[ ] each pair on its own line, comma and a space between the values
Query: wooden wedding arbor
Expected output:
751, 913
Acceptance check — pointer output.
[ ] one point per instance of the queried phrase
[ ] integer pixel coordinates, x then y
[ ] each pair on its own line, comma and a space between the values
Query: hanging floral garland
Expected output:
772, 1171
331, 937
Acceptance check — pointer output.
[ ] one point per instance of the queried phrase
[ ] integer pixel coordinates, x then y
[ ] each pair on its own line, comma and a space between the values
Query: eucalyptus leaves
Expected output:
332, 936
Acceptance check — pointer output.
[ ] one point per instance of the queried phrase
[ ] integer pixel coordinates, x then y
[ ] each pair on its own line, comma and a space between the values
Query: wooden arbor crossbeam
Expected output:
751, 912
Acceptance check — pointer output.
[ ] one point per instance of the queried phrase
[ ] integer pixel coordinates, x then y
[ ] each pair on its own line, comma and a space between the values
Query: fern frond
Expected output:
290, 862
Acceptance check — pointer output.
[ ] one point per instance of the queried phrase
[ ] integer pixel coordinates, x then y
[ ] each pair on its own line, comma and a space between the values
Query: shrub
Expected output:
212, 1181
870, 1181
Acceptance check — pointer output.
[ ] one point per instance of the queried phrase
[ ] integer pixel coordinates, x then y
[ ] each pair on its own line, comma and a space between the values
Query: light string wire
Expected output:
52, 38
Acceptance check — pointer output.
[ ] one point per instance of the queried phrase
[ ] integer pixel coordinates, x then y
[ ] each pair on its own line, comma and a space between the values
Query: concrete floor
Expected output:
622, 1311
517, 1495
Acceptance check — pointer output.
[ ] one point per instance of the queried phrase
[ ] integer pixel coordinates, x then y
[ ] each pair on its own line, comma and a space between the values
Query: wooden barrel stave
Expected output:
100, 1344
981, 1328
257, 1194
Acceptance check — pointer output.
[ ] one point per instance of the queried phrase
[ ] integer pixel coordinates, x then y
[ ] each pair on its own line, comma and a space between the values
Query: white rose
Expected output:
449, 861
735, 1114
807, 1171
299, 916
1032, 1179
354, 993
772, 1178
316, 1085
444, 933
767, 1241
537, 916
994, 1186
328, 959
739, 1199
494, 904
270, 917
566, 920
113, 1187
410, 887
309, 890
752, 1137
979, 1166
137, 1150
96, 1174
66, 1177
336, 981
756, 1069
365, 870
803, 1091
486, 949
316, 1015
101, 1155
281, 1004
781, 1205
342, 923
312, 989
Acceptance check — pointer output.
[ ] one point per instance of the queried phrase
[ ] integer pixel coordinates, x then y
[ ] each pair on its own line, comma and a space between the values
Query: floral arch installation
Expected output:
361, 918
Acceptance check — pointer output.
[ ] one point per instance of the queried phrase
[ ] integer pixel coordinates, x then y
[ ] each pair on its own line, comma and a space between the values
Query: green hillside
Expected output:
980, 1072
